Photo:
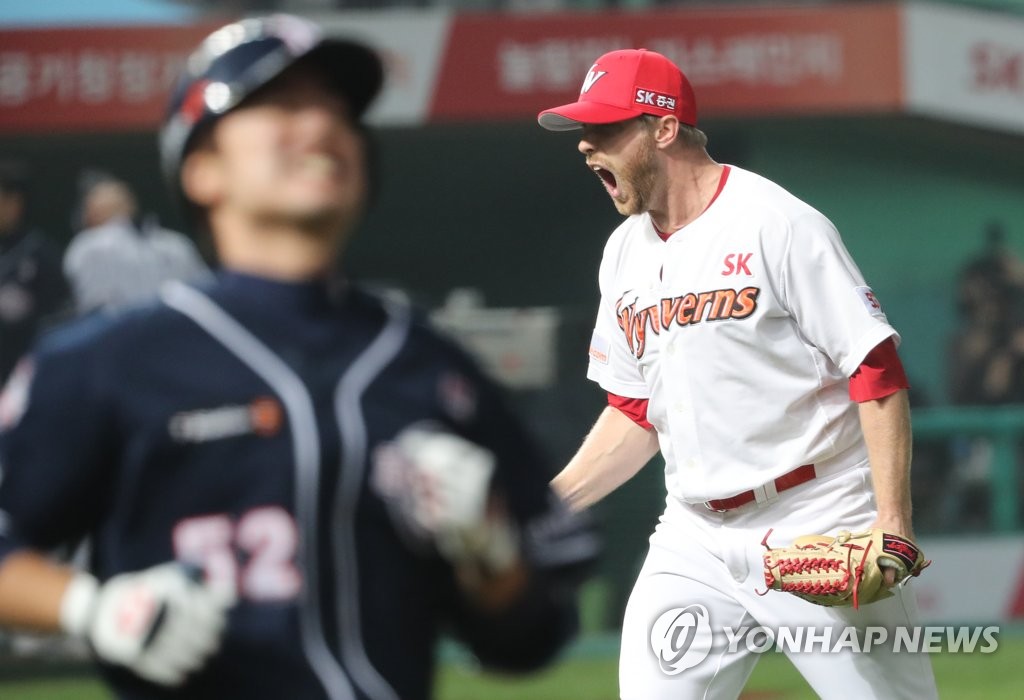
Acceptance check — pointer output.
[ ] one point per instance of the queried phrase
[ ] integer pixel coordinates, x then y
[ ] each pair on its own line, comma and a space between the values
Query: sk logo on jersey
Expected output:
685, 310
736, 264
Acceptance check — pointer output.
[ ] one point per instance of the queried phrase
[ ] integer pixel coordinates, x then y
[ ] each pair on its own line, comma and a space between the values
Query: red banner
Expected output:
741, 61
746, 61
90, 79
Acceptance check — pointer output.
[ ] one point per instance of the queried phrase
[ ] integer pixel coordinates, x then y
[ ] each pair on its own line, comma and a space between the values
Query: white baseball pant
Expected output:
704, 564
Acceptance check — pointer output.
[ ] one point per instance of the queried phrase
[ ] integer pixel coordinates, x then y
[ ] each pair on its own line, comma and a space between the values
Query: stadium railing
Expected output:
1003, 427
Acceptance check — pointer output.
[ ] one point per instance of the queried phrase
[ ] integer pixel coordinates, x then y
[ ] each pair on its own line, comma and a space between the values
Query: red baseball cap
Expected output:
625, 84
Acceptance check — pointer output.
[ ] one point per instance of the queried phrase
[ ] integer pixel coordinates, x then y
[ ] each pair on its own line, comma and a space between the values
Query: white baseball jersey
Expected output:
741, 330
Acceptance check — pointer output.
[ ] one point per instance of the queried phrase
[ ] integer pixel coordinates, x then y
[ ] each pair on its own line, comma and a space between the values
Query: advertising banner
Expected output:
956, 563
114, 78
758, 61
951, 63
965, 65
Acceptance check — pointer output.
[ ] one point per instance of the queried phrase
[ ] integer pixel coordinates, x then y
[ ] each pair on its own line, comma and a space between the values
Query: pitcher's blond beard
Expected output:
641, 173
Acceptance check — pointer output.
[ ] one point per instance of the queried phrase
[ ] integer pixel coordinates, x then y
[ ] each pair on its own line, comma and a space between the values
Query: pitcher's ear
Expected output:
666, 130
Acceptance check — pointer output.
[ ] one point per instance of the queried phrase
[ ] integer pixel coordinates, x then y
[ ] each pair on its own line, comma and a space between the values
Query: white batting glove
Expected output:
160, 623
451, 483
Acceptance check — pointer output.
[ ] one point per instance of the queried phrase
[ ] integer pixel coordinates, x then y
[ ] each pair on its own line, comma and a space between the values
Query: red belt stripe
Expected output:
800, 475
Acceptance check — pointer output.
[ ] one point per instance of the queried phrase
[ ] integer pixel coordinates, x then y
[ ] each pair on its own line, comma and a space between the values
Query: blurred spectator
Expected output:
986, 369
119, 258
987, 354
32, 287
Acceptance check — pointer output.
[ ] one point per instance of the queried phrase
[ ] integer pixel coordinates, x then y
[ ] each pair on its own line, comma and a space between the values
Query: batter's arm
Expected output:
885, 423
614, 451
31, 591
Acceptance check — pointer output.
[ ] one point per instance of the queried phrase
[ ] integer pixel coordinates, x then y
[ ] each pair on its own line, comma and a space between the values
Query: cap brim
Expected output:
576, 114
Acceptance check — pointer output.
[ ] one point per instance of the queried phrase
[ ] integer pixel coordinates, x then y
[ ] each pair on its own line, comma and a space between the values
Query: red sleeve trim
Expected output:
635, 409
879, 375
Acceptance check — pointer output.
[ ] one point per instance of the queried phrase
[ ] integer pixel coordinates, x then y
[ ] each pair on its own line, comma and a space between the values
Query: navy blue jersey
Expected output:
238, 427
33, 292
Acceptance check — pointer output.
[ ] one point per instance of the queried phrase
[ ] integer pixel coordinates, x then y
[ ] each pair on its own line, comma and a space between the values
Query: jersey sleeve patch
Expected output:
871, 302
600, 348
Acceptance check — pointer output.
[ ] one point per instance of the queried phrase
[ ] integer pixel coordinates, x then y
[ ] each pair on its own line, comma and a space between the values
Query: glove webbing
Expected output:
817, 565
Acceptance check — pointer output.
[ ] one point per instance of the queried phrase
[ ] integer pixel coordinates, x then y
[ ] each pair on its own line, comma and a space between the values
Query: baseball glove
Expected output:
842, 570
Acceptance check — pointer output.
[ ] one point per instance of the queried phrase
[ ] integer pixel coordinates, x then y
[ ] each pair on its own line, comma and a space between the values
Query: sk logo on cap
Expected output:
592, 77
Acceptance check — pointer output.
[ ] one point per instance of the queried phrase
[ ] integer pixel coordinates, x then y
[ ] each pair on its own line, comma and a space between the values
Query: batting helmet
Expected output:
238, 59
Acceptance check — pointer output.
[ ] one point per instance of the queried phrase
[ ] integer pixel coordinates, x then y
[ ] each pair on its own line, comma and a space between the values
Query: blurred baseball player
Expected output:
736, 335
291, 486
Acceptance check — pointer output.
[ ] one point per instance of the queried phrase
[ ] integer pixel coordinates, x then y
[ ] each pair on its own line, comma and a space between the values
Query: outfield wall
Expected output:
972, 580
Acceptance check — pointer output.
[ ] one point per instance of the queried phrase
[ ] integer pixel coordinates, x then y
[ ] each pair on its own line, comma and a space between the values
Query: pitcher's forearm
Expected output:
614, 451
886, 426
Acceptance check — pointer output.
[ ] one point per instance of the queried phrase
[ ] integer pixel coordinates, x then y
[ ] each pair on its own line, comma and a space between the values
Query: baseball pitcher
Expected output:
736, 336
